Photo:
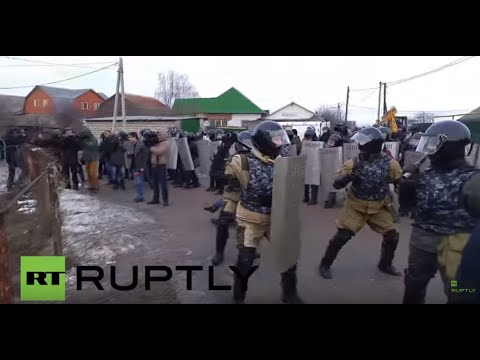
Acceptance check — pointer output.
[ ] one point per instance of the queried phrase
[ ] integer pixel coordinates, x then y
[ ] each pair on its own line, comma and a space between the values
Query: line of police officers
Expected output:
445, 197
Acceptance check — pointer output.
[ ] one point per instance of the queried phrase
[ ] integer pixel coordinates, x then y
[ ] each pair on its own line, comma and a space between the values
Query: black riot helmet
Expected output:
219, 134
290, 135
269, 137
445, 141
369, 140
211, 135
385, 132
245, 137
309, 133
229, 138
335, 140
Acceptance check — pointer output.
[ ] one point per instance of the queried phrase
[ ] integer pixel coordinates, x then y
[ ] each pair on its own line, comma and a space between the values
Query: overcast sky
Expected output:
274, 81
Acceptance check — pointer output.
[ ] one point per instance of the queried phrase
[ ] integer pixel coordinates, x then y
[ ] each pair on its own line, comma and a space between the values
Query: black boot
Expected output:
313, 200
389, 245
220, 186
221, 242
246, 257
331, 200
212, 185
414, 294
289, 287
336, 243
306, 196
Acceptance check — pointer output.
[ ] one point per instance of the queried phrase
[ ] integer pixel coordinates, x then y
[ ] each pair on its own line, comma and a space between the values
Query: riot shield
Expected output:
288, 183
184, 152
411, 157
477, 163
232, 150
394, 148
204, 152
292, 150
331, 160
472, 158
213, 148
350, 151
310, 149
172, 155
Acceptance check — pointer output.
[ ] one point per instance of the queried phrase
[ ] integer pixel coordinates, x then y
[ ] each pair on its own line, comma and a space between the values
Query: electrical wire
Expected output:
47, 63
58, 81
401, 81
446, 66
410, 111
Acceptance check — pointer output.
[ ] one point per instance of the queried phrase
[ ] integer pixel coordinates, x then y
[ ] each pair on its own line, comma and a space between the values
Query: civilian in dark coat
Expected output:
117, 163
138, 165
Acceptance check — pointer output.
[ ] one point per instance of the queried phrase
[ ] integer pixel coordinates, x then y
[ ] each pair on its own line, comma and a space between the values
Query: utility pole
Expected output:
379, 100
115, 106
384, 98
122, 85
346, 106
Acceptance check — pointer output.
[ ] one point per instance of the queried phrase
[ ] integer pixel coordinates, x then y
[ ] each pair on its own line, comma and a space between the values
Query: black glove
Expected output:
358, 166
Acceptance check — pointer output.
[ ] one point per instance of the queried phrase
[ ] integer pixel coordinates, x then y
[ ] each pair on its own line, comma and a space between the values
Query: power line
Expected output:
443, 67
58, 81
446, 66
411, 111
47, 63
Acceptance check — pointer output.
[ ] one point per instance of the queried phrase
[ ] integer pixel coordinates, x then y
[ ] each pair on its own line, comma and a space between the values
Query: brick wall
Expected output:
97, 127
39, 102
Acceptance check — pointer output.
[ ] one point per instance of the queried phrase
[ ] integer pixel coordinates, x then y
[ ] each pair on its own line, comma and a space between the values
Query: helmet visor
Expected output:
331, 143
361, 139
414, 142
430, 144
279, 138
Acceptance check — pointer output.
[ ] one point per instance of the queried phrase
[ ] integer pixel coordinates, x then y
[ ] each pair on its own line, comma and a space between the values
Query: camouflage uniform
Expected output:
254, 173
441, 229
231, 197
367, 202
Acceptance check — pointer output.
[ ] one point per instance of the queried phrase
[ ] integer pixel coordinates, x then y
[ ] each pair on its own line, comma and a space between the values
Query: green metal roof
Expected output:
230, 102
472, 121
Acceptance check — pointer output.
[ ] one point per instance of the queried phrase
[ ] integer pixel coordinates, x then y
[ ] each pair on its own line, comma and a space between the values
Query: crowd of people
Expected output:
444, 199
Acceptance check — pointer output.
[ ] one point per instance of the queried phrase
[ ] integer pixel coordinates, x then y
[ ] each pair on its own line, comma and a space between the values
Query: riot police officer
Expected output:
217, 169
325, 134
442, 224
367, 201
310, 191
254, 173
231, 197
335, 140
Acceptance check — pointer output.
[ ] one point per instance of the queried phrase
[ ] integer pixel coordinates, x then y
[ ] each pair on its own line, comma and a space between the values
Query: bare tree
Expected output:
172, 85
424, 117
332, 114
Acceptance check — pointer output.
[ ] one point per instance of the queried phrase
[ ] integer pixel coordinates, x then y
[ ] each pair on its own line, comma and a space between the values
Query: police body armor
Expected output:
372, 183
257, 196
439, 206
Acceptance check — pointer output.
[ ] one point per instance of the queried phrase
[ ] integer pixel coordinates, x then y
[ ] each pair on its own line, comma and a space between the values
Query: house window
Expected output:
45, 103
84, 106
96, 106
218, 123
36, 103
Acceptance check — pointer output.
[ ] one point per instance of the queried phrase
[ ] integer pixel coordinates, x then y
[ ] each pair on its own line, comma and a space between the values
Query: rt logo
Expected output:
42, 278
